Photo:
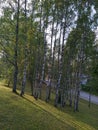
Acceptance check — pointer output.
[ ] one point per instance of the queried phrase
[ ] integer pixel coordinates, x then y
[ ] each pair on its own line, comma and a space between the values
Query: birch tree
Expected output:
25, 53
16, 49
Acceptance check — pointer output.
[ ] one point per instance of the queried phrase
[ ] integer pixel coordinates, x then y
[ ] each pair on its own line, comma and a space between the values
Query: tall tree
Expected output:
16, 49
25, 53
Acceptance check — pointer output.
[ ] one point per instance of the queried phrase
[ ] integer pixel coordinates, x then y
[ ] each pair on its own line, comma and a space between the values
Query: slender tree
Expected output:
16, 49
25, 53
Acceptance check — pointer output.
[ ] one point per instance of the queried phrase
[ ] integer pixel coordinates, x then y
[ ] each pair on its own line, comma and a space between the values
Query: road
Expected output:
85, 96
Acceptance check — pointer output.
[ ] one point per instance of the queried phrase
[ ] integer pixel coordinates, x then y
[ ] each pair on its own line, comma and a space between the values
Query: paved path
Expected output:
85, 96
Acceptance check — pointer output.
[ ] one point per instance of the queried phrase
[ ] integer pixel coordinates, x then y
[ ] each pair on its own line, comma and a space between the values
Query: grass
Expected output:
26, 113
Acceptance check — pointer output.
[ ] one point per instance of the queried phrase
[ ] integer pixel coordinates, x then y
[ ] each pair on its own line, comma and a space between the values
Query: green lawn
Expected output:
17, 113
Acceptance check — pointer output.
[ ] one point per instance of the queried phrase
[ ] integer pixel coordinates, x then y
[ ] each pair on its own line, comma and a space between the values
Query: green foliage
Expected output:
7, 42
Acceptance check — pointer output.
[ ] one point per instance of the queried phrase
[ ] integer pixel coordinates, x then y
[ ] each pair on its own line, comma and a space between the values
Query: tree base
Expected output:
14, 91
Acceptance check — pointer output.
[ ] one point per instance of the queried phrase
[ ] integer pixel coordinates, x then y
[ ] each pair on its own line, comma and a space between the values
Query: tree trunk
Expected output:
48, 90
16, 49
61, 66
25, 51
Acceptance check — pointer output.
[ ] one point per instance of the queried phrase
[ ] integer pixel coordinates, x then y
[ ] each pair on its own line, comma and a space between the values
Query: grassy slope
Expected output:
26, 113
